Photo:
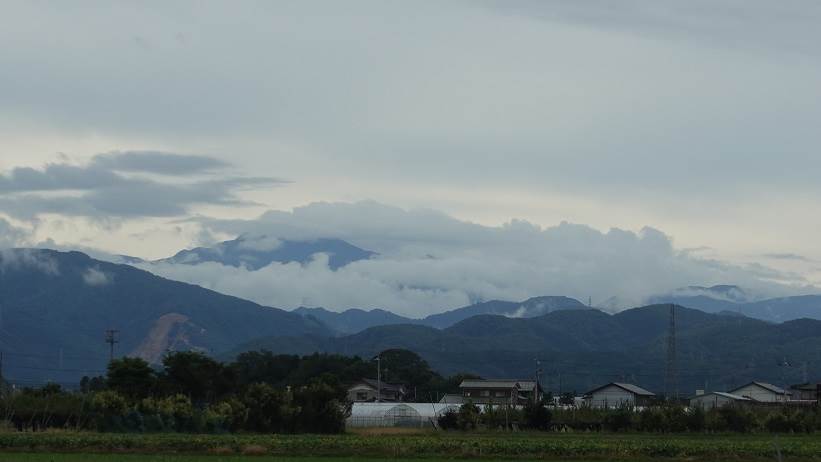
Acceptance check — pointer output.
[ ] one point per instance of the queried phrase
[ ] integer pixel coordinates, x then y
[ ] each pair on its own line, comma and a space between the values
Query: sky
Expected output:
685, 130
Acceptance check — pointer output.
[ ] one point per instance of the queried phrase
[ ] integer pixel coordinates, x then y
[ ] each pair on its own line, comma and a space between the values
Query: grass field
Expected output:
90, 447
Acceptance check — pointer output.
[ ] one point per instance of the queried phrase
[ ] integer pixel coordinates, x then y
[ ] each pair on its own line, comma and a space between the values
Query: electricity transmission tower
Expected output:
671, 375
111, 339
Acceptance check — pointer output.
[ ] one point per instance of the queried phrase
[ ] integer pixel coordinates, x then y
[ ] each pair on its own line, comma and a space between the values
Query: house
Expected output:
762, 392
528, 387
717, 399
616, 394
806, 392
500, 391
365, 390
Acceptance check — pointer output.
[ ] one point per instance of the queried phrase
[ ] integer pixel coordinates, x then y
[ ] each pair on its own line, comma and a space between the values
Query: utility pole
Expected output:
111, 339
378, 360
671, 376
536, 387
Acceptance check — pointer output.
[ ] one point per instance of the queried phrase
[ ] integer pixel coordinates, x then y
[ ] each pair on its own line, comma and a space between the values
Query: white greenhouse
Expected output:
397, 414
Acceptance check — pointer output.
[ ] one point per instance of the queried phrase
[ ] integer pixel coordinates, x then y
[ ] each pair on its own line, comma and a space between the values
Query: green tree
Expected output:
468, 416
537, 416
132, 378
321, 406
195, 375
264, 367
265, 408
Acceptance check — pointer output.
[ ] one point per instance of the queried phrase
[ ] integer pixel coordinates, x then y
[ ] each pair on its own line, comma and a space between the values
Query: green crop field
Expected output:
65, 446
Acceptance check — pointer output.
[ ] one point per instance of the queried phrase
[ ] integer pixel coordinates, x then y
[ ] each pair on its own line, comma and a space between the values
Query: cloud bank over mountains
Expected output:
429, 261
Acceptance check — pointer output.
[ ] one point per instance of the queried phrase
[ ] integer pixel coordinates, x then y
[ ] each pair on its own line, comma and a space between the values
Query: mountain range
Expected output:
355, 320
577, 349
56, 306
733, 299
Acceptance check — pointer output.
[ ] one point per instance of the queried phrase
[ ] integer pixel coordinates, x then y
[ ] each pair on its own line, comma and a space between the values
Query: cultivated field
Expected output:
62, 446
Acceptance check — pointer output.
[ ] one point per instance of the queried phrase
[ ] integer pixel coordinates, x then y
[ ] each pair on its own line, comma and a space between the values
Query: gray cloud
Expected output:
99, 190
162, 163
697, 116
788, 256
429, 261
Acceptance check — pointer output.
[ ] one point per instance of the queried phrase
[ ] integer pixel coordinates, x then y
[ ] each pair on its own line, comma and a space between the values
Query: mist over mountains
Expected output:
56, 306
423, 261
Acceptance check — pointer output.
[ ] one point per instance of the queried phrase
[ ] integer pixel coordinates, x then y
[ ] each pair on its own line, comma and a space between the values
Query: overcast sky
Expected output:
120, 121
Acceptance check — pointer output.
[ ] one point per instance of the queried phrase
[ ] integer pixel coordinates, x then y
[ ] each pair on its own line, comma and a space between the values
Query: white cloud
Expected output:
260, 243
429, 262
29, 259
95, 277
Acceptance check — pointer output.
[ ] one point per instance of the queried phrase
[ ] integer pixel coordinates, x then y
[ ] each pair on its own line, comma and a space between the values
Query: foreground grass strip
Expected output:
434, 445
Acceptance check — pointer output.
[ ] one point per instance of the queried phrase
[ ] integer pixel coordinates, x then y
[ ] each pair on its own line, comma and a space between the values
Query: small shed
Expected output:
717, 399
762, 392
617, 394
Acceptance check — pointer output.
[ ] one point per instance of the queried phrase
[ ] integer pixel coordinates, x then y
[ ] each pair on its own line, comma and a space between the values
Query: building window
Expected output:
485, 393
500, 394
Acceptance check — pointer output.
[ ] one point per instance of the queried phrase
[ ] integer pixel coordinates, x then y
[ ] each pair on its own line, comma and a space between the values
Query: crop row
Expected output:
446, 445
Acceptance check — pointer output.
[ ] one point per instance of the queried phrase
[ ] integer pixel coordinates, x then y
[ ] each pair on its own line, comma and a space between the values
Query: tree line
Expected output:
258, 391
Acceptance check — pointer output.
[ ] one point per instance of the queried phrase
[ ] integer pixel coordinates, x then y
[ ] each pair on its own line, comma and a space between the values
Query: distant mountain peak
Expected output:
258, 251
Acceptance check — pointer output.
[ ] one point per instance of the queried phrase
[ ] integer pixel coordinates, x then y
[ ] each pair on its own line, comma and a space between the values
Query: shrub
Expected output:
537, 416
448, 420
468, 417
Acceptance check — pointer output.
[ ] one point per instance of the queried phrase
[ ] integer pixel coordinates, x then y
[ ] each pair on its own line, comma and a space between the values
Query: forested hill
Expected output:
56, 307
581, 348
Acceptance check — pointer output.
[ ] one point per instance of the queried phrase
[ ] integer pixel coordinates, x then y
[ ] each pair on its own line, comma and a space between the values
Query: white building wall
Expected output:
611, 397
759, 394
710, 401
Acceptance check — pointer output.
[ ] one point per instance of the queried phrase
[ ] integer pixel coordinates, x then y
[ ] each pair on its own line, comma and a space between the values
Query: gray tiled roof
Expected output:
767, 386
385, 386
626, 386
488, 383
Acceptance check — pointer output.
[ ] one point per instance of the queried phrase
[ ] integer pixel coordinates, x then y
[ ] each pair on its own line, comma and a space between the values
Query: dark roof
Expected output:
624, 386
764, 385
492, 383
399, 388
524, 385
811, 386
